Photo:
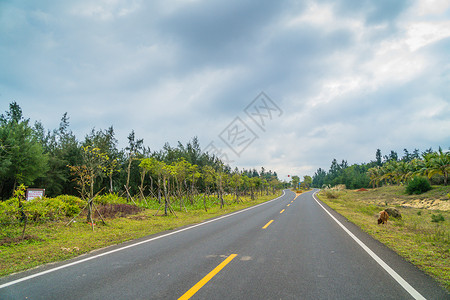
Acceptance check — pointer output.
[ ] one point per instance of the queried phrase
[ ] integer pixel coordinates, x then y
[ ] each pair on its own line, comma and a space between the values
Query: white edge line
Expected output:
415, 294
132, 245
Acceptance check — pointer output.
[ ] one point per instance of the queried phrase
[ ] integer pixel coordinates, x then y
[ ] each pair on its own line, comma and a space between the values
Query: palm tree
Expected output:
389, 172
439, 163
375, 175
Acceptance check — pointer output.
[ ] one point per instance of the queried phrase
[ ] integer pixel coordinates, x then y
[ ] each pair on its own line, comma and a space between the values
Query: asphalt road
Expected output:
283, 249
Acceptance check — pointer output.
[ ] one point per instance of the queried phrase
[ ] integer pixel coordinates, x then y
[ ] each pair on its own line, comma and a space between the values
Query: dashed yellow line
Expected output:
289, 204
282, 211
207, 278
267, 225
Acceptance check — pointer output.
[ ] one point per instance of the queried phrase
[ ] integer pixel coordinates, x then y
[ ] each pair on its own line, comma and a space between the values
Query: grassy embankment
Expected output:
422, 235
54, 241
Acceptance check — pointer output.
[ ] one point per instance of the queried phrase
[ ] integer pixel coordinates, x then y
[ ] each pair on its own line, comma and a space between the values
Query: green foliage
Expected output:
437, 218
40, 209
434, 164
295, 181
8, 211
418, 185
307, 180
62, 149
110, 199
57, 161
21, 155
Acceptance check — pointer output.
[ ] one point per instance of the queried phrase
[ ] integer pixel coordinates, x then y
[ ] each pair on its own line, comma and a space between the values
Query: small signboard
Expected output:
35, 193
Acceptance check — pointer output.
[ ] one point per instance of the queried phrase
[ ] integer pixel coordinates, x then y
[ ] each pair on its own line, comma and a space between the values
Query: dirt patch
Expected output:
16, 240
362, 190
112, 211
428, 204
140, 218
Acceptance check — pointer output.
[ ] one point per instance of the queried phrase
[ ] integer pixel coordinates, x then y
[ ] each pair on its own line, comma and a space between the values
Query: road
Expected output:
282, 249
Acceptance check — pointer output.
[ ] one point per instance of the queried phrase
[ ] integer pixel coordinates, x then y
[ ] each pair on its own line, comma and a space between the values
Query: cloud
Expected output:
349, 76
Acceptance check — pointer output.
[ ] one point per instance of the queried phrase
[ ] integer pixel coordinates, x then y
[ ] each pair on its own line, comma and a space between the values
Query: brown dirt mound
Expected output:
362, 190
111, 211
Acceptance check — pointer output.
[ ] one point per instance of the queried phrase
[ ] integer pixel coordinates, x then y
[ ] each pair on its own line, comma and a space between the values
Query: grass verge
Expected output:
422, 235
54, 241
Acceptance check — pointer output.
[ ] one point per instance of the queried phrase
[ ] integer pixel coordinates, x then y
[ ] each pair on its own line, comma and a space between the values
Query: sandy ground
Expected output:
429, 204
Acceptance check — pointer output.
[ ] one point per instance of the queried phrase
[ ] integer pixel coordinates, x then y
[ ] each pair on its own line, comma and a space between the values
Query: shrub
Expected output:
437, 218
110, 199
8, 211
72, 204
44, 209
418, 185
40, 209
330, 194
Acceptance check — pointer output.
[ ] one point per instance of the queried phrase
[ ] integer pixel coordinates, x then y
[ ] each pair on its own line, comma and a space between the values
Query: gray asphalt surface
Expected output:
302, 254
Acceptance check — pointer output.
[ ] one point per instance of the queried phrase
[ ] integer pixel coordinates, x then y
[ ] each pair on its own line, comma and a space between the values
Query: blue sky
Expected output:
343, 78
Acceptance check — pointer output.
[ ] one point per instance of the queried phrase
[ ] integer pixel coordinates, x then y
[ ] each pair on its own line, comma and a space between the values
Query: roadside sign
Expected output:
35, 193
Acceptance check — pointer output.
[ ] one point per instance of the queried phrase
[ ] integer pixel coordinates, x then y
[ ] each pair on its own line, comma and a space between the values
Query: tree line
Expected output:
57, 161
387, 169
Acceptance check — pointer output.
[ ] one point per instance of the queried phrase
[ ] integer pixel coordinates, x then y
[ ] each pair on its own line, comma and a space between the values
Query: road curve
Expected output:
283, 249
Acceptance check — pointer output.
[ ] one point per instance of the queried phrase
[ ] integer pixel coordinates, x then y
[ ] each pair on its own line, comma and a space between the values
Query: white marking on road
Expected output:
132, 245
415, 294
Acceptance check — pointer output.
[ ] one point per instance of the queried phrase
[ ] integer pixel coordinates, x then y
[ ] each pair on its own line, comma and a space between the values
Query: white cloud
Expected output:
430, 7
424, 33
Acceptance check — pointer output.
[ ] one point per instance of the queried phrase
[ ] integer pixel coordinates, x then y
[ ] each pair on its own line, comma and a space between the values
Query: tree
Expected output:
94, 165
193, 175
180, 171
107, 143
295, 181
62, 149
378, 157
134, 146
22, 158
219, 185
375, 176
254, 184
319, 178
439, 163
236, 182
149, 165
307, 180
209, 178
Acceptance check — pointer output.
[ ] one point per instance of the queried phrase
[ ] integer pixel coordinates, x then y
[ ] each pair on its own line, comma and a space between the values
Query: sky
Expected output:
284, 85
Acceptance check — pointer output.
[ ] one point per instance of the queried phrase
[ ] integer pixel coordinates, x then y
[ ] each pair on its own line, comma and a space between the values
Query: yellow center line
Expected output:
281, 211
289, 204
207, 278
267, 225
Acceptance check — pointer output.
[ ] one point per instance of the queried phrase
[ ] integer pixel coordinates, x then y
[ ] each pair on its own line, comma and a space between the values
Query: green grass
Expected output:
54, 241
416, 237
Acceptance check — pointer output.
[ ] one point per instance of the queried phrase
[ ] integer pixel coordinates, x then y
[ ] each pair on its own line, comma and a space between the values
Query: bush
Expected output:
40, 209
8, 211
110, 199
72, 204
330, 194
437, 218
418, 185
